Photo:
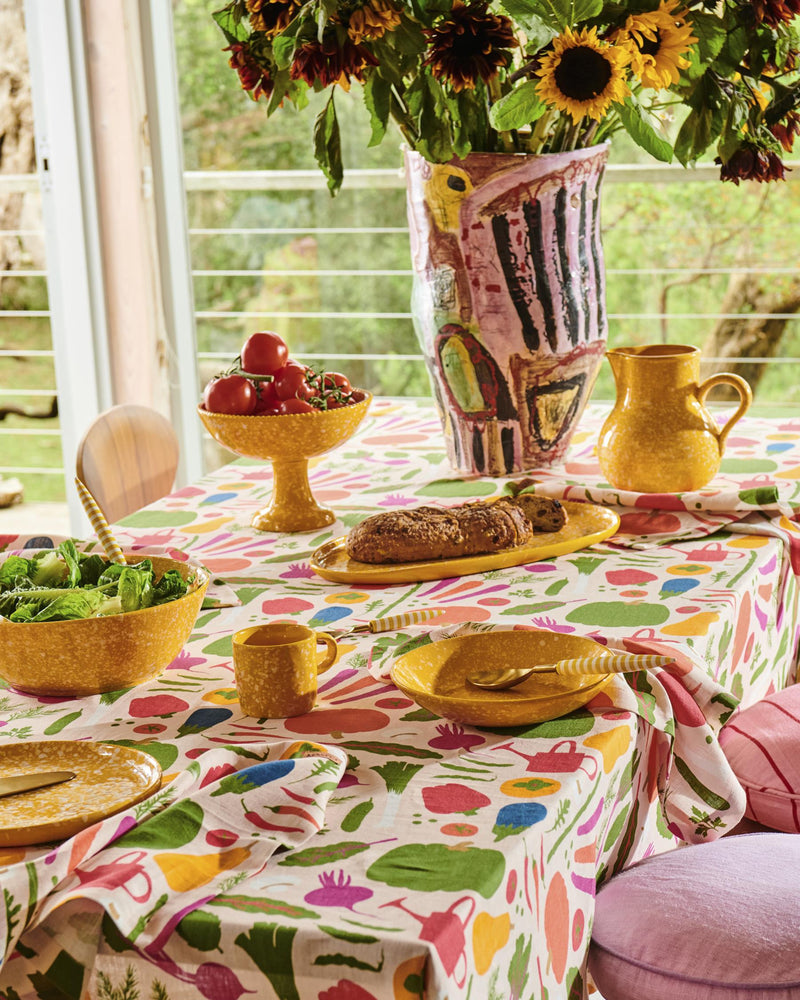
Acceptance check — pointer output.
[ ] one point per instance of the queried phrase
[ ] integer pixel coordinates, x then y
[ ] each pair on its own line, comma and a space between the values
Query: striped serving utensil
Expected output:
390, 623
614, 663
99, 524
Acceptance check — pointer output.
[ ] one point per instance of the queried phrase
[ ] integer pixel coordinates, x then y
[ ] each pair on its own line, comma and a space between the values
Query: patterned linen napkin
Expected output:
218, 594
758, 486
700, 795
215, 825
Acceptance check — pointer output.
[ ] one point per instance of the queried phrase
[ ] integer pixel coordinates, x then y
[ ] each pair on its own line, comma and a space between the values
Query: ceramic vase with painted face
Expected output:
509, 300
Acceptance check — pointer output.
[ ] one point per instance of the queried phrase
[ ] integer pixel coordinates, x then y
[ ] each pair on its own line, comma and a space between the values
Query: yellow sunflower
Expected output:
583, 75
658, 40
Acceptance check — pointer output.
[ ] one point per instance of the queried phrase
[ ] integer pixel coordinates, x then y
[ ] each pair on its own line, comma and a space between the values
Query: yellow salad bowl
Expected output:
92, 655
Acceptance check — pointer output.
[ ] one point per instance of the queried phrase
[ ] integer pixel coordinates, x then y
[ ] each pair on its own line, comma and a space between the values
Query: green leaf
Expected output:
377, 97
518, 108
642, 132
326, 855
230, 22
704, 123
328, 145
427, 104
537, 32
711, 34
555, 14
282, 51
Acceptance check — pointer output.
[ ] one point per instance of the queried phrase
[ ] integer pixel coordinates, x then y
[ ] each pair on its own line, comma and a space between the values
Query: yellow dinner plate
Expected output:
586, 524
435, 675
107, 779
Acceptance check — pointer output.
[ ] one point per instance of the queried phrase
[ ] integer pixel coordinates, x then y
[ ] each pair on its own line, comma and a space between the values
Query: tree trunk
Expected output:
17, 149
744, 337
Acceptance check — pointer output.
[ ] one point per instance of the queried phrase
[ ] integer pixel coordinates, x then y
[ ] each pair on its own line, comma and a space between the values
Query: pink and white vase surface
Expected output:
508, 300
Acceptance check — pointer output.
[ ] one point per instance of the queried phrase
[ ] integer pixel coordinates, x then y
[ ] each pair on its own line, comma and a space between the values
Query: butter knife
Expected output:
15, 783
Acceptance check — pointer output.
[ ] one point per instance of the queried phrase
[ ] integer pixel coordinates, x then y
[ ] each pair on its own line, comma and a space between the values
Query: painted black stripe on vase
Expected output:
522, 299
507, 444
586, 269
478, 453
532, 211
599, 269
564, 265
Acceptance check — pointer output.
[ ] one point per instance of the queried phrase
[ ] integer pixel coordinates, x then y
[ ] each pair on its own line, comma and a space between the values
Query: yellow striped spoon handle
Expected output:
616, 663
392, 622
99, 524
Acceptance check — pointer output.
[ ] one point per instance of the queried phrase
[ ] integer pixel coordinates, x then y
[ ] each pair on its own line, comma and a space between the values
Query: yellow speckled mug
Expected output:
276, 668
660, 438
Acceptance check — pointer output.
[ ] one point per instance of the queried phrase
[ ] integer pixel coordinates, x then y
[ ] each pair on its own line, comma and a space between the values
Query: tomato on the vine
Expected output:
230, 394
291, 381
295, 405
268, 399
335, 380
264, 353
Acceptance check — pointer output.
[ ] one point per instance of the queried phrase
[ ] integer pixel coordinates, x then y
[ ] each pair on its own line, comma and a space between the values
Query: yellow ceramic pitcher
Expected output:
660, 438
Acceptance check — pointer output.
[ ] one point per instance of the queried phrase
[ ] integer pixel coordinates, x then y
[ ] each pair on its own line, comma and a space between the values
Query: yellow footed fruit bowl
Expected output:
288, 440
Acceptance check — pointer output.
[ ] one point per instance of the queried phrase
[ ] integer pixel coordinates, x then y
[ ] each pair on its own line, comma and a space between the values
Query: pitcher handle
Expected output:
745, 399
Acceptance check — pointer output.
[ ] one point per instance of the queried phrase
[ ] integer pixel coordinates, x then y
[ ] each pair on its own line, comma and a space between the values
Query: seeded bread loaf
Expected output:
423, 533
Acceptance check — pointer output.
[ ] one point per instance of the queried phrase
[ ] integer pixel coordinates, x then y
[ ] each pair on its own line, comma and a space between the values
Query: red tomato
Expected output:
291, 382
230, 394
268, 399
264, 353
294, 405
335, 380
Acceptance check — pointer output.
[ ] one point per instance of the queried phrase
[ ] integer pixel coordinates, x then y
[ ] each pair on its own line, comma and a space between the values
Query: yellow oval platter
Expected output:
586, 525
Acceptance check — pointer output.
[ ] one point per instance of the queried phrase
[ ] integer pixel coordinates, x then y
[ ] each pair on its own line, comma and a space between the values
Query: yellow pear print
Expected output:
489, 935
189, 871
612, 745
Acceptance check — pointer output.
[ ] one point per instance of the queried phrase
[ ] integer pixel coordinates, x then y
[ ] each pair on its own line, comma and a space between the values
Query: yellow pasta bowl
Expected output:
435, 676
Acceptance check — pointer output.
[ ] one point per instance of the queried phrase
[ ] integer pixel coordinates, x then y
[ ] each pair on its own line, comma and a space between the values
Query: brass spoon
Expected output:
614, 663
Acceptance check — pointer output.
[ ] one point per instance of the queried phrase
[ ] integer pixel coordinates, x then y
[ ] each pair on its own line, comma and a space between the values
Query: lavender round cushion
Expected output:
762, 745
717, 921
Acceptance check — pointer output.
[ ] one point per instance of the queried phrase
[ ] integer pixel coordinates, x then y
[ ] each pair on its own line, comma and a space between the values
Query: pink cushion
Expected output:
714, 921
762, 744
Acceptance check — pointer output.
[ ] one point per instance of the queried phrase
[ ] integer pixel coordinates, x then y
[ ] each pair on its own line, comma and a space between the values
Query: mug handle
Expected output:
745, 399
330, 654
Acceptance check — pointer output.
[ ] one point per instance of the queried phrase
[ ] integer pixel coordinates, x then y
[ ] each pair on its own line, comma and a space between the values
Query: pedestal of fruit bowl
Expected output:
288, 441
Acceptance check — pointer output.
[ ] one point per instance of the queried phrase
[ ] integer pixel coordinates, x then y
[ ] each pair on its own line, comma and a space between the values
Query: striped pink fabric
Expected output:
762, 744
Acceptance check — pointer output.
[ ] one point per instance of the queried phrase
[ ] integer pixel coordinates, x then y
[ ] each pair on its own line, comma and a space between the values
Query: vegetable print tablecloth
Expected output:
368, 850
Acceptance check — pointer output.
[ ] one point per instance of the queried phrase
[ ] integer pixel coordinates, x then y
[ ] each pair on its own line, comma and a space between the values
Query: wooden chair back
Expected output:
128, 458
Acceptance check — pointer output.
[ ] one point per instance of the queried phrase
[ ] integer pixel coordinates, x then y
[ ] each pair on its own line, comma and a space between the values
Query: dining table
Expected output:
373, 849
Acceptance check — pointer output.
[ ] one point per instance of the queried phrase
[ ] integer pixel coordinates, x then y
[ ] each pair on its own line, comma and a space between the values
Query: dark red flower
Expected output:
787, 130
331, 61
271, 16
750, 163
253, 77
469, 44
775, 12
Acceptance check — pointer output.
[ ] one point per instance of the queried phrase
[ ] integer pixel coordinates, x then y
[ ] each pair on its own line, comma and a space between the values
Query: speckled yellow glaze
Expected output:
107, 778
288, 441
587, 524
660, 438
92, 655
435, 677
276, 668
